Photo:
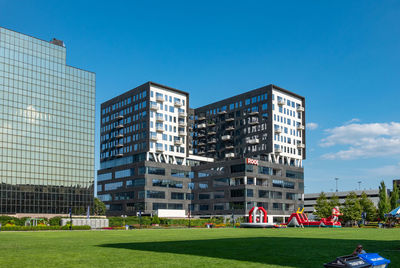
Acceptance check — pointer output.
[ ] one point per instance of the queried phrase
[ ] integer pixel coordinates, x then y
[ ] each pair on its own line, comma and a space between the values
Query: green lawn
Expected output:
192, 248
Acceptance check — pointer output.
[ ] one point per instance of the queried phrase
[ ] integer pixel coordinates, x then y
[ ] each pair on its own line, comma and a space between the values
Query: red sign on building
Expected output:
250, 161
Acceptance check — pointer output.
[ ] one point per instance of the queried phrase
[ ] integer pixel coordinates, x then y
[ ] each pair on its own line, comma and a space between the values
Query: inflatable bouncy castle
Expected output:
299, 219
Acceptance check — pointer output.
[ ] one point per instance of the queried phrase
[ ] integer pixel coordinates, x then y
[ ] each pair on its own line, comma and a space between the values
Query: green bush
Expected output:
155, 220
55, 221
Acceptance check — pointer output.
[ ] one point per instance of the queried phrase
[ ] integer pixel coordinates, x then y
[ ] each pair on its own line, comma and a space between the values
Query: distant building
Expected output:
310, 200
47, 111
223, 158
396, 183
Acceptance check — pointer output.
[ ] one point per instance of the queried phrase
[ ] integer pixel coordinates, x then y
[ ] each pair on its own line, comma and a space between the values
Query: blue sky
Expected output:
343, 56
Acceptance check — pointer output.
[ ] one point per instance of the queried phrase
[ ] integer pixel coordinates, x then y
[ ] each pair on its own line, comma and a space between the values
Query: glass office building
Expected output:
47, 122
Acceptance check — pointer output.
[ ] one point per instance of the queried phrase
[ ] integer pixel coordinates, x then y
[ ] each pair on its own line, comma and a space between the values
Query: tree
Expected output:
352, 208
383, 205
368, 207
394, 196
322, 208
333, 202
99, 207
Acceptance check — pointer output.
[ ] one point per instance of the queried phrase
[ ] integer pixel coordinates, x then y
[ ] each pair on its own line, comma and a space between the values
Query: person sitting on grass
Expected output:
359, 250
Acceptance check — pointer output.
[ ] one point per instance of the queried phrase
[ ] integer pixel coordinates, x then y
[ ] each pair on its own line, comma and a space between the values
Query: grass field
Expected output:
193, 248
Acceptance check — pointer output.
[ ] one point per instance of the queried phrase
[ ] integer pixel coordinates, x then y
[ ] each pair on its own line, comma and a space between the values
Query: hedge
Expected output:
43, 228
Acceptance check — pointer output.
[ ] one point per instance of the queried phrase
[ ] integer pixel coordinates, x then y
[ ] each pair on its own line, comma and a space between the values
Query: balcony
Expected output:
159, 148
278, 131
119, 136
201, 135
201, 118
281, 102
300, 127
211, 150
181, 114
160, 128
300, 109
226, 137
201, 143
253, 113
178, 103
160, 118
153, 137
253, 141
201, 152
119, 126
211, 124
120, 155
212, 132
182, 123
230, 119
119, 145
229, 155
212, 141
203, 125
182, 133
301, 145
222, 112
229, 147
178, 142
254, 122
153, 106
120, 116
160, 98
278, 150
230, 128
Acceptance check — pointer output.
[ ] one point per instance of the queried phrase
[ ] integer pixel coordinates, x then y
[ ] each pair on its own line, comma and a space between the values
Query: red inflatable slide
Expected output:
299, 219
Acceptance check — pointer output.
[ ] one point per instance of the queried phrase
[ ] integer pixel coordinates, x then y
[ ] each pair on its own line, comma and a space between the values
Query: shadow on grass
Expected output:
296, 252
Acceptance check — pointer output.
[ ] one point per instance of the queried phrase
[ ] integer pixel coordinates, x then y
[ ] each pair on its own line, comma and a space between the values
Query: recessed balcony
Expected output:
119, 126
203, 125
253, 141
211, 150
120, 155
201, 118
229, 119
119, 136
178, 142
281, 102
160, 98
212, 132
253, 122
226, 137
211, 124
119, 145
178, 103
229, 147
222, 112
300, 109
153, 106
278, 131
230, 128
160, 118
278, 150
160, 149
201, 144
181, 114
160, 128
182, 123
253, 113
120, 117
300, 127
228, 155
301, 145
153, 137
182, 133
212, 141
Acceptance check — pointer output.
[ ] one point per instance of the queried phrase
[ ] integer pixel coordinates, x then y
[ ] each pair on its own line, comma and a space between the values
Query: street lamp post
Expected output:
336, 179
189, 214
359, 185
124, 217
233, 217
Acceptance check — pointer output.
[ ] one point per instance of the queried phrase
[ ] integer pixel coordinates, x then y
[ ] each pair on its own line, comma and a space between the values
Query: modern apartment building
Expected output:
219, 159
47, 111
267, 122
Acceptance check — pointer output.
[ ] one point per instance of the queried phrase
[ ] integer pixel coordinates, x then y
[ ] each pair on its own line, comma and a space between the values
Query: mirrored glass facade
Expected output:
47, 117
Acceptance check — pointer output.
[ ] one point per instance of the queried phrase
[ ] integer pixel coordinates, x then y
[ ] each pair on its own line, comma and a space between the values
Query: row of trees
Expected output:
355, 206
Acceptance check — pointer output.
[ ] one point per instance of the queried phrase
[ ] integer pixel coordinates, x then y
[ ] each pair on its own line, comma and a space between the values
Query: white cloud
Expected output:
354, 120
312, 126
363, 140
